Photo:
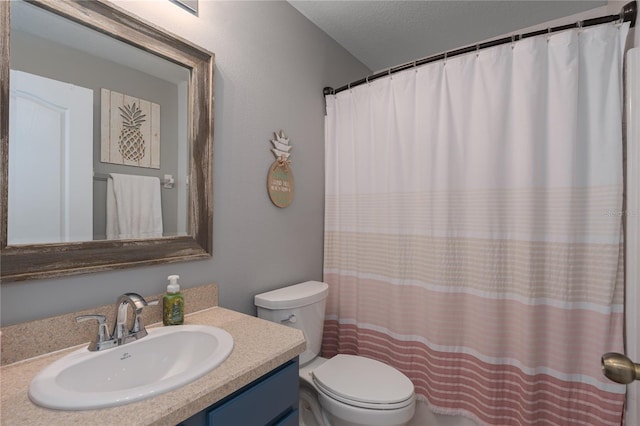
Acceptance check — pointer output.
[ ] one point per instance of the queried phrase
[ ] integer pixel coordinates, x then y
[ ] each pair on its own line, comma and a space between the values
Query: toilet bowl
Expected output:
346, 390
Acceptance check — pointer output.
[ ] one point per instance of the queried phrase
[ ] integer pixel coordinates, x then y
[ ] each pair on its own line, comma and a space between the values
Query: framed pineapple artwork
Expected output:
130, 130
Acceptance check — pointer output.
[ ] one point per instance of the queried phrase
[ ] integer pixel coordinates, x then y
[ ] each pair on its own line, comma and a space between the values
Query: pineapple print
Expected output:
131, 143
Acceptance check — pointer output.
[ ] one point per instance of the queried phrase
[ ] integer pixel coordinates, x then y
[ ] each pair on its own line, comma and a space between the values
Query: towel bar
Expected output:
166, 182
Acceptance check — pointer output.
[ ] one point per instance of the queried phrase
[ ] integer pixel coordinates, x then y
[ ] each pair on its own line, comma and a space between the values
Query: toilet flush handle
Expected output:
291, 318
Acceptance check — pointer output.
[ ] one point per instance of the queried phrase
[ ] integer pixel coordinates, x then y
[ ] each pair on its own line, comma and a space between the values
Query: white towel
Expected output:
133, 207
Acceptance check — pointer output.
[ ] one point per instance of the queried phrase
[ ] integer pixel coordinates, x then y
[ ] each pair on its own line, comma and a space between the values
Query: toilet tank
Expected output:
299, 306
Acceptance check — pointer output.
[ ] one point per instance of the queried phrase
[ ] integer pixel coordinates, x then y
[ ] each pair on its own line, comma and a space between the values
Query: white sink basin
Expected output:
169, 357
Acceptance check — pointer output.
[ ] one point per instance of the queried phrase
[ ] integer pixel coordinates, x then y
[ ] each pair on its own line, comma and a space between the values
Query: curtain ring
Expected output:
444, 61
513, 40
477, 50
579, 25
368, 82
548, 34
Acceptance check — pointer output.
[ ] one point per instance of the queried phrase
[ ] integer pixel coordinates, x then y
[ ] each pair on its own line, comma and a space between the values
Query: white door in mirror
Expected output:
50, 124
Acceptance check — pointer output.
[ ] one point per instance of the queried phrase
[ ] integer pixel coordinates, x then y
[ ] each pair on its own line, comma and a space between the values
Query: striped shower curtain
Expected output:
473, 231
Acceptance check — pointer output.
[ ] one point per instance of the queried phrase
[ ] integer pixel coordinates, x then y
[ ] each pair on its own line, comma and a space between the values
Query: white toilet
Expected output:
346, 390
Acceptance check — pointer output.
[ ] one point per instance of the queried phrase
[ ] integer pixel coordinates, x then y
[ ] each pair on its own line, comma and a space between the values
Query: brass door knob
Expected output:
619, 368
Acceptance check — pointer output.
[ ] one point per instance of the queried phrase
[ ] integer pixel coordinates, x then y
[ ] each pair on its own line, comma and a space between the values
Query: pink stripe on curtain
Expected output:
472, 234
430, 352
491, 393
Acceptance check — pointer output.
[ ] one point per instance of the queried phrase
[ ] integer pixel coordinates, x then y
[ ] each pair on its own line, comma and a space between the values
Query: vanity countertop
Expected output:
259, 347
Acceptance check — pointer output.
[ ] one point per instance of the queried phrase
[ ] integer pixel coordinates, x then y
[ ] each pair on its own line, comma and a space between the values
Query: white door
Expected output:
632, 306
50, 161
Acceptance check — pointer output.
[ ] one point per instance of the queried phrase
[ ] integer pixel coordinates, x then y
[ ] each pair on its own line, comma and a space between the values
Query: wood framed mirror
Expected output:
32, 261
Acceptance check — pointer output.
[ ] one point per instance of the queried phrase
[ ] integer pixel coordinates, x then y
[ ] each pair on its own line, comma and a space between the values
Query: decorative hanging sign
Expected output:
280, 177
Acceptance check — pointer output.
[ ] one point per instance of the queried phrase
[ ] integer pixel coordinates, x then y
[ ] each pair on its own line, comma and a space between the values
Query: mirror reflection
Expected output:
84, 106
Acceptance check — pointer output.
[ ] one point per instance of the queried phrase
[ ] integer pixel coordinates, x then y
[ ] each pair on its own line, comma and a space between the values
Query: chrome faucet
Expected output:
121, 333
137, 330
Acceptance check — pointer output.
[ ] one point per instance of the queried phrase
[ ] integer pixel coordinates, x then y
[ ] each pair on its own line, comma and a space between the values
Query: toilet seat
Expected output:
363, 382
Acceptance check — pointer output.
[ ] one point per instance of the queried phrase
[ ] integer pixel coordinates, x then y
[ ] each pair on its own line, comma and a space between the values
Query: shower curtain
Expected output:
473, 234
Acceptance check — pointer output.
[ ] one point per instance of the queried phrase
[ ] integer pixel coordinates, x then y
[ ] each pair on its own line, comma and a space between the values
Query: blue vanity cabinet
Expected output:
270, 400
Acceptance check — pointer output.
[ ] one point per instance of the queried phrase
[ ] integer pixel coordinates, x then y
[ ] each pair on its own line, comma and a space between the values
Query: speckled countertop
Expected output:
259, 347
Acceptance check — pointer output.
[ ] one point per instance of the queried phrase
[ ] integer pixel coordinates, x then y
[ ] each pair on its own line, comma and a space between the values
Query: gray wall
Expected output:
271, 66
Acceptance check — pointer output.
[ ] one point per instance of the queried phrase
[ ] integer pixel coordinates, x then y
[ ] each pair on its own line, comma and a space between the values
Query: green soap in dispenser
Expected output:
173, 303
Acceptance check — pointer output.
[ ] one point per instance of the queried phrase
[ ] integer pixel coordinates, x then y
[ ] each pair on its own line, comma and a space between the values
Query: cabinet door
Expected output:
274, 397
291, 419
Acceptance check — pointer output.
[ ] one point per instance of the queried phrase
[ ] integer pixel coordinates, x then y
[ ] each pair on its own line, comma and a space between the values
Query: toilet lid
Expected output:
363, 381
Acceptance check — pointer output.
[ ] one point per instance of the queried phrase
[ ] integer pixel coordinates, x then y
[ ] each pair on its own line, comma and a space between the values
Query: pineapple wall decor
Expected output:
130, 130
280, 177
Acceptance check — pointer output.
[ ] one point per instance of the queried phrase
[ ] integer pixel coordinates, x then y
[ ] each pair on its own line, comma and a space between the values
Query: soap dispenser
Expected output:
173, 303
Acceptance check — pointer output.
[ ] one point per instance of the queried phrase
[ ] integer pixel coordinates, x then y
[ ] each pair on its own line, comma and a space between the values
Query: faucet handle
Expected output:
138, 323
100, 318
153, 302
103, 332
102, 324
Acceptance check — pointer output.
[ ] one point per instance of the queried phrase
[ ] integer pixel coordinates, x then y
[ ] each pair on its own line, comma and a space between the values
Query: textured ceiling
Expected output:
382, 34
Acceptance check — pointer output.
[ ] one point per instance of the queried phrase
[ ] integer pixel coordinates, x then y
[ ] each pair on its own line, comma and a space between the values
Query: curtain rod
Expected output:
628, 13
